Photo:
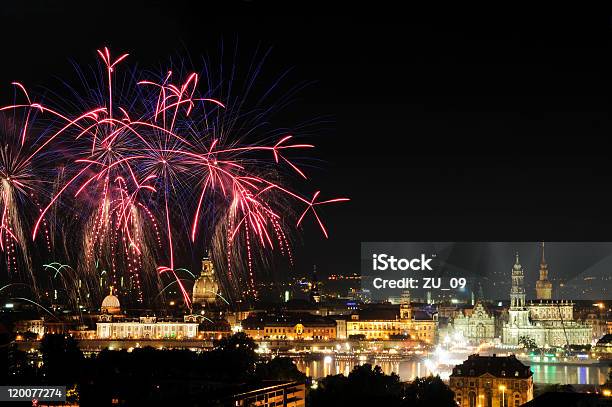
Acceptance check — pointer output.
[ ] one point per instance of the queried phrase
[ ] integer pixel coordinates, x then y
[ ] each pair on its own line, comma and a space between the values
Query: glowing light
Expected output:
130, 157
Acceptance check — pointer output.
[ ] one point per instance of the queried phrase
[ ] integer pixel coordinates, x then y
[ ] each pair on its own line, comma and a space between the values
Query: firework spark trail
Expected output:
131, 169
20, 189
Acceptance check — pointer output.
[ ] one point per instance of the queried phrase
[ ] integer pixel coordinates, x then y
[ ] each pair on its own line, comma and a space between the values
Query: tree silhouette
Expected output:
370, 386
427, 392
62, 359
279, 368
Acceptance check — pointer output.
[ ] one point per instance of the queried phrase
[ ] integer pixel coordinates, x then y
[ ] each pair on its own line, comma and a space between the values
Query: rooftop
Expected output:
497, 366
257, 321
605, 340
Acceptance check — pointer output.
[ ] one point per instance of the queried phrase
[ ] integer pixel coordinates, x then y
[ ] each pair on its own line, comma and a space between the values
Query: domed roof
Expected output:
205, 288
110, 303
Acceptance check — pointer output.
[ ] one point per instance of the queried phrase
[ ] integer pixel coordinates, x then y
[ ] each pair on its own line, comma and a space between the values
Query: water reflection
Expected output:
321, 368
409, 369
569, 374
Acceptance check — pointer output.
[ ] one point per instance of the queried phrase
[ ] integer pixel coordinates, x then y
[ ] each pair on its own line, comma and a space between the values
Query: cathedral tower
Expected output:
518, 313
517, 292
405, 307
206, 287
543, 285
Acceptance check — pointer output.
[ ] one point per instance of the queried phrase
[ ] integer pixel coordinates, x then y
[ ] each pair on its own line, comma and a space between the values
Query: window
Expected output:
472, 399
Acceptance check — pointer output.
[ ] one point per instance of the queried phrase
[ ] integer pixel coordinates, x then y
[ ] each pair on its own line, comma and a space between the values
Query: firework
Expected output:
154, 164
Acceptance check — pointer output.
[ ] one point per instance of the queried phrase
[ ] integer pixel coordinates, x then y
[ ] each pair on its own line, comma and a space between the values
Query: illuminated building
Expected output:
376, 323
548, 322
59, 326
206, 287
146, 328
424, 326
487, 381
110, 304
598, 324
386, 321
289, 327
603, 348
291, 394
112, 325
36, 326
543, 285
340, 327
478, 327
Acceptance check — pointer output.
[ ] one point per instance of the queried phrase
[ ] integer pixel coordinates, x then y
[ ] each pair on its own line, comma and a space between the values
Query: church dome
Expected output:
110, 304
205, 288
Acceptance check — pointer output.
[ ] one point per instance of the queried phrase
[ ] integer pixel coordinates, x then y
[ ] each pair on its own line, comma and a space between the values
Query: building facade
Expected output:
35, 326
424, 326
603, 347
291, 394
206, 287
340, 328
381, 322
289, 327
550, 323
491, 381
146, 328
477, 327
375, 326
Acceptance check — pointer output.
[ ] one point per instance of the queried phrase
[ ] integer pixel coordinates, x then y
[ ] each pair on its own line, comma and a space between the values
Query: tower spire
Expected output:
543, 285
517, 291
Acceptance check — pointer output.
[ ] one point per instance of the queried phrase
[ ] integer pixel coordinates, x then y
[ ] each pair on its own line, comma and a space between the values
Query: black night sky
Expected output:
439, 126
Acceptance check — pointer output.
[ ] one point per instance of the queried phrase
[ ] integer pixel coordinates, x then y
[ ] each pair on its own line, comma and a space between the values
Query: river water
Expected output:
409, 369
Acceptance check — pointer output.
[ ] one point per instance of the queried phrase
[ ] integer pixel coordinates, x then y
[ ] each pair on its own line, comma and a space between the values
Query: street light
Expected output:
502, 388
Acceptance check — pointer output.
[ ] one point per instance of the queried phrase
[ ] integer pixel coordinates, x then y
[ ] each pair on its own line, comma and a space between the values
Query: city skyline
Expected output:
245, 203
